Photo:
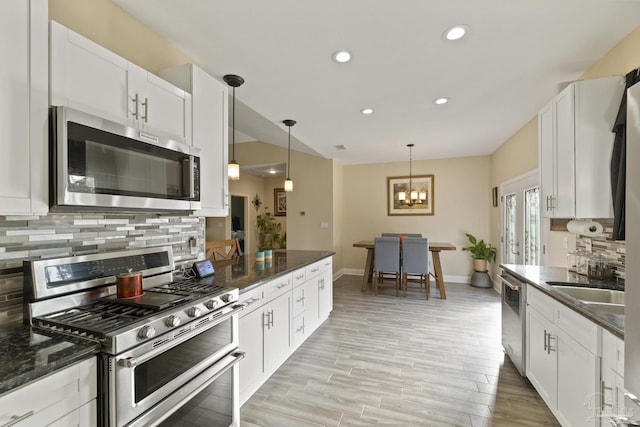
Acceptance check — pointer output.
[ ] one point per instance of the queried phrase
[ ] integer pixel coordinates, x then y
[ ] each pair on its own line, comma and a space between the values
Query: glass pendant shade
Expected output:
288, 185
414, 195
423, 195
233, 170
402, 196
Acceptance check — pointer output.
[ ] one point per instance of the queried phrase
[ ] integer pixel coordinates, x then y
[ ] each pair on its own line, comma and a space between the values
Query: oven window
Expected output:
213, 404
104, 163
167, 366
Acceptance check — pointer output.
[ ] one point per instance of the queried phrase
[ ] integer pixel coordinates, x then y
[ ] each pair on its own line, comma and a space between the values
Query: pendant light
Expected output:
233, 168
414, 196
288, 183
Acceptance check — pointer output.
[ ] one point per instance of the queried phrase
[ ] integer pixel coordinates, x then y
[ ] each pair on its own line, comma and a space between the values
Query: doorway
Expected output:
520, 200
239, 219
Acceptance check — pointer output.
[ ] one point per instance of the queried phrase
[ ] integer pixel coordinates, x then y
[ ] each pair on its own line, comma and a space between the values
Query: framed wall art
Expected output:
279, 202
402, 200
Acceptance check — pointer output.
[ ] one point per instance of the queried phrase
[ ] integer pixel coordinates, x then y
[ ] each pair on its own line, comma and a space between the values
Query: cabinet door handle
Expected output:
545, 340
549, 348
135, 106
282, 285
146, 110
271, 318
15, 419
301, 328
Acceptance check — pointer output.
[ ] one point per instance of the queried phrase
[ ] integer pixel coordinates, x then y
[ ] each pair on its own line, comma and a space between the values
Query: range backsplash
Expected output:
56, 235
613, 250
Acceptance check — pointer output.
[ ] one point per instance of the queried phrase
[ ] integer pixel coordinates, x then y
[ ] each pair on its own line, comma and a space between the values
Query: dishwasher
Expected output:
514, 305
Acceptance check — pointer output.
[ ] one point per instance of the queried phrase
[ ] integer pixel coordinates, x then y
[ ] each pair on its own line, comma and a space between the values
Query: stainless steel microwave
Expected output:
99, 165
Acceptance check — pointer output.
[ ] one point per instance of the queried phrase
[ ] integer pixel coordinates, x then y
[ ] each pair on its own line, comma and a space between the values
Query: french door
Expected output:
520, 219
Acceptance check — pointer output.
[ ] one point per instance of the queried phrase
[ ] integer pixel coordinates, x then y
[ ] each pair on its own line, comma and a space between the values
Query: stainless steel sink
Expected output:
611, 308
593, 295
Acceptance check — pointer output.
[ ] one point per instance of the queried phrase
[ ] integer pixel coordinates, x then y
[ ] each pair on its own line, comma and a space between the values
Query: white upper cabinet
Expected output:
209, 101
159, 105
23, 107
575, 143
87, 77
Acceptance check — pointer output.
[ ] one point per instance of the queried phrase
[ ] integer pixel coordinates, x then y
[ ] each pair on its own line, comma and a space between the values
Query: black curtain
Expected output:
619, 160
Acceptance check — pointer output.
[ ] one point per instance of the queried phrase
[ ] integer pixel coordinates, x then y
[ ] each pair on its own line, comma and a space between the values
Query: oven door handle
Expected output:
510, 285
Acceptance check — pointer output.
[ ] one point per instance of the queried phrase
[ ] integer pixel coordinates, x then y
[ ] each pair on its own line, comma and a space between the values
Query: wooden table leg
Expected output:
438, 269
368, 270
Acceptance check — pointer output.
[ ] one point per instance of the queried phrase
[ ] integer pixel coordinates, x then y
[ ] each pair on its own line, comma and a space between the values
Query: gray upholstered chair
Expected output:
386, 264
415, 265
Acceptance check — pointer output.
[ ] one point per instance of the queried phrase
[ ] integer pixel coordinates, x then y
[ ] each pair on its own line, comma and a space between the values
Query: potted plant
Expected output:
481, 252
268, 230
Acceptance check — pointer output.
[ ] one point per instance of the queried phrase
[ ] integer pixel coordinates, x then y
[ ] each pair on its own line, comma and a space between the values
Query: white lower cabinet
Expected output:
542, 369
612, 378
281, 314
563, 361
66, 398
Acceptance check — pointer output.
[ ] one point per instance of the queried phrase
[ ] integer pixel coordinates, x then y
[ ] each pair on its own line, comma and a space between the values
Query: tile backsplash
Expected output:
613, 250
57, 235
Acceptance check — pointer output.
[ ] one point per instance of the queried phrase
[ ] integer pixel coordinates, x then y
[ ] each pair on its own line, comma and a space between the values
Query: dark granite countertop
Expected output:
244, 273
539, 277
27, 354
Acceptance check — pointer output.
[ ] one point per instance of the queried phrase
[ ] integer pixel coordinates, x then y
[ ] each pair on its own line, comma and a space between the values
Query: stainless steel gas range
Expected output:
159, 350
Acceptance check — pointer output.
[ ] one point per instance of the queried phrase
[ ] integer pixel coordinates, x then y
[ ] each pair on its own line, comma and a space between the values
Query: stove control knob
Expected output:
147, 332
172, 321
193, 312
211, 304
226, 297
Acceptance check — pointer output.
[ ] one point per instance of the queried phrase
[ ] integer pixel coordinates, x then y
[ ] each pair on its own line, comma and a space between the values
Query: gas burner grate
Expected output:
92, 321
188, 287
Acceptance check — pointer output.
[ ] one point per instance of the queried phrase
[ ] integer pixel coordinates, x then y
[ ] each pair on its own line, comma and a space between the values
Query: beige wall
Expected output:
312, 193
462, 203
108, 25
339, 225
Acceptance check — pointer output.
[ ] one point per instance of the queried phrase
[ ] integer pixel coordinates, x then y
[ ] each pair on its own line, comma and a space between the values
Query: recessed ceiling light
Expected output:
273, 171
440, 101
342, 56
367, 111
456, 32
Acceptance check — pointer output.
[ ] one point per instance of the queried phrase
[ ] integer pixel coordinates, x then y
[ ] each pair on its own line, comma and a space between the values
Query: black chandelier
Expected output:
415, 197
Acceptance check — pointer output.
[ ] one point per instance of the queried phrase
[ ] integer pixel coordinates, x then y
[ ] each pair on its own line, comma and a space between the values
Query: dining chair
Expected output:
415, 265
217, 250
386, 264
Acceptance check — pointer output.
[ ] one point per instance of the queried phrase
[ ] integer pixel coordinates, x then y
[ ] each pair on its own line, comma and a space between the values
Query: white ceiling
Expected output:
518, 54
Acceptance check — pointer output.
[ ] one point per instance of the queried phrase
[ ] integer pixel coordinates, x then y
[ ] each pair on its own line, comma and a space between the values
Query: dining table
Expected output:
434, 247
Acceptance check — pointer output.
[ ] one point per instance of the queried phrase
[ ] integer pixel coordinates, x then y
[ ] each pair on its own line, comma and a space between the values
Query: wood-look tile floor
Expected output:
382, 360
